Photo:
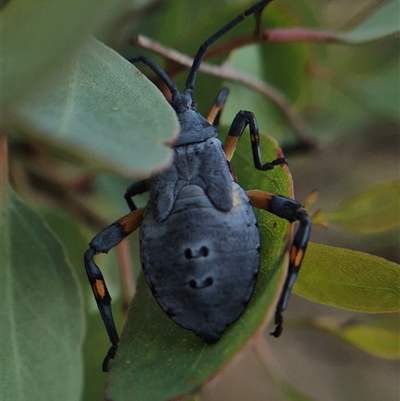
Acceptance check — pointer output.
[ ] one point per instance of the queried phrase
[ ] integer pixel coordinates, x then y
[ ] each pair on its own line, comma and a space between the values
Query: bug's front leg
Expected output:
137, 188
102, 243
292, 211
239, 124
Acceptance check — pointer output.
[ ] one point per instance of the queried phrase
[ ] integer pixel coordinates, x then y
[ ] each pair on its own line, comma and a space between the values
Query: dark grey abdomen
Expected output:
201, 263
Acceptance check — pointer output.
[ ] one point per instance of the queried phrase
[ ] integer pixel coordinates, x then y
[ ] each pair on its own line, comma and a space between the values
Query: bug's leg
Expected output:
216, 109
102, 243
136, 188
257, 17
240, 122
290, 210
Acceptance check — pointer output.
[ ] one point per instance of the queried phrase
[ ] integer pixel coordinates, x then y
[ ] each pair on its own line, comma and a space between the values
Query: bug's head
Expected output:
183, 102
194, 127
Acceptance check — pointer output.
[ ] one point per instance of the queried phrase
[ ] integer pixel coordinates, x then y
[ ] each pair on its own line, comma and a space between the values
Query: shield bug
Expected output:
199, 239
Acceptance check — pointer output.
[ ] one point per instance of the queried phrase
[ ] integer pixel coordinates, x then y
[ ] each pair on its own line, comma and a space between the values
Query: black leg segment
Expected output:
292, 211
136, 188
102, 243
239, 124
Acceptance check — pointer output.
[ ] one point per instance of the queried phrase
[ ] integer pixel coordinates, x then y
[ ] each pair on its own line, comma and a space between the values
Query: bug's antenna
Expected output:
171, 85
198, 59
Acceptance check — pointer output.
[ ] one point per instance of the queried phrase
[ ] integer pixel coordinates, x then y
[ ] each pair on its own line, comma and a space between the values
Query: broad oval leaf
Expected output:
378, 341
278, 378
38, 36
375, 210
285, 59
178, 362
102, 109
42, 321
349, 280
379, 92
292, 393
272, 64
383, 23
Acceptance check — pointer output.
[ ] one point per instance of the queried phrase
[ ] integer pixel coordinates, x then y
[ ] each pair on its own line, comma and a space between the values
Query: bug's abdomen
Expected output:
201, 263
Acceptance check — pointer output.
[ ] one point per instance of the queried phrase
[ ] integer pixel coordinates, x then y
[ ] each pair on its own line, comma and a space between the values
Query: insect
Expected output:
199, 239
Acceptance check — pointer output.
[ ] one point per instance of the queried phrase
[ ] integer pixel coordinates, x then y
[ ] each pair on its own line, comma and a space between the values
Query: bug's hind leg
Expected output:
214, 114
292, 211
102, 243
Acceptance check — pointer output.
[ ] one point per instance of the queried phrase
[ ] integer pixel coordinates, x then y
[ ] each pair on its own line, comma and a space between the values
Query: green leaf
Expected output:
38, 36
41, 310
384, 23
249, 61
284, 64
293, 394
75, 242
262, 348
267, 63
377, 341
349, 280
375, 210
103, 109
173, 19
177, 361
379, 92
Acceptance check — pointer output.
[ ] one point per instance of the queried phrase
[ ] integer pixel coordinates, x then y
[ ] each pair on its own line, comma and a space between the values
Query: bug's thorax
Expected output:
200, 163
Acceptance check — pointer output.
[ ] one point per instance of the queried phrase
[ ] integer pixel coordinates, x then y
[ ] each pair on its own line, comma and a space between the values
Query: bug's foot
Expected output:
279, 325
271, 165
109, 357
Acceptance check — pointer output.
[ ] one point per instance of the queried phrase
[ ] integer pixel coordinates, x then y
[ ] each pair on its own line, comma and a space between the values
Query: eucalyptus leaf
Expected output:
293, 394
379, 92
38, 36
349, 280
383, 23
375, 210
41, 309
378, 341
272, 64
103, 109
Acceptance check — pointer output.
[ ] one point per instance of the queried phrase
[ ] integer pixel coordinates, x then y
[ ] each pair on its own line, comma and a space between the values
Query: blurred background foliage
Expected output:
71, 159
